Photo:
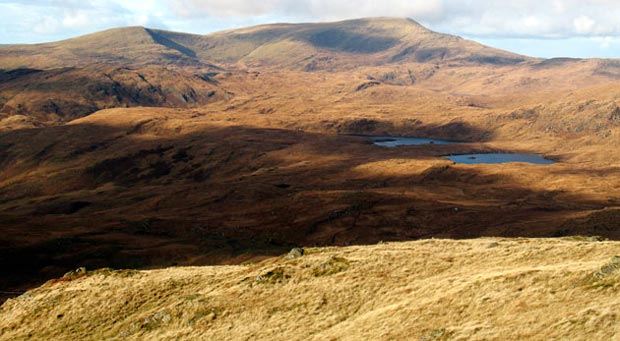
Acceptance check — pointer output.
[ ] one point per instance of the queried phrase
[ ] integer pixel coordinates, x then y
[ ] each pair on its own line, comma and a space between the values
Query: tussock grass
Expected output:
425, 290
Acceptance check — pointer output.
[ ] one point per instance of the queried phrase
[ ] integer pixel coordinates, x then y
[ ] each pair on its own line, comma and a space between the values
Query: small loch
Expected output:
469, 159
499, 158
395, 141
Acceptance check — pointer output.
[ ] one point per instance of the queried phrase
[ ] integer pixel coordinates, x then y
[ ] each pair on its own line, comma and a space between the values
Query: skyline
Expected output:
557, 28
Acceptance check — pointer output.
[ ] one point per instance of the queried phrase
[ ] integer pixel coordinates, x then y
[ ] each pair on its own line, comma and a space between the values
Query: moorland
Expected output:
137, 148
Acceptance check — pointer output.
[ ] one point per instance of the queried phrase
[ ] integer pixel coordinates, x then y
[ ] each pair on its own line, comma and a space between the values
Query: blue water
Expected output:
395, 141
497, 158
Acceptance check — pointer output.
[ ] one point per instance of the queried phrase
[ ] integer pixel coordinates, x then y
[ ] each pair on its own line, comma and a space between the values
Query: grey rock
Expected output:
295, 253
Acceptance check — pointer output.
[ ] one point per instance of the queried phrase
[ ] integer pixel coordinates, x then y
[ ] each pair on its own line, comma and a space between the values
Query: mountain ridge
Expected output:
345, 44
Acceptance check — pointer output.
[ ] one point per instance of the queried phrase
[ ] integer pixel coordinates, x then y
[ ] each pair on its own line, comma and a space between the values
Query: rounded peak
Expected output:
126, 29
386, 25
118, 33
402, 20
119, 30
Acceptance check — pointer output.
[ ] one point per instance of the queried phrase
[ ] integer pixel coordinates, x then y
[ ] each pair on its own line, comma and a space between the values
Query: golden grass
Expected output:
483, 289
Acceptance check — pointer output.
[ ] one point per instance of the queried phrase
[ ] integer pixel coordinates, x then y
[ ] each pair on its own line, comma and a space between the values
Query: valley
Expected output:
167, 149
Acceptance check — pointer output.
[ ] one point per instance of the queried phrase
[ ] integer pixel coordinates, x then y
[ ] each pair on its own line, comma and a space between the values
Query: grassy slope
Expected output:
433, 289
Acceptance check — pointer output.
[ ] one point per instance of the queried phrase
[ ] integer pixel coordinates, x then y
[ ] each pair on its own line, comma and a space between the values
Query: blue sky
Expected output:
553, 28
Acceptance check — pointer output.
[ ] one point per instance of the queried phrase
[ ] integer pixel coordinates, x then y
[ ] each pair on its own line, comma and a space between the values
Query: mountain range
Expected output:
136, 66
329, 46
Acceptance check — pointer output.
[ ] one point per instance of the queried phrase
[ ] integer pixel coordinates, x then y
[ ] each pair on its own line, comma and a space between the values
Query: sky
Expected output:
539, 28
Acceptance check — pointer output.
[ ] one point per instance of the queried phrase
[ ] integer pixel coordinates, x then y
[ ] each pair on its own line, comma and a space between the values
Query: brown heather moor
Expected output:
190, 164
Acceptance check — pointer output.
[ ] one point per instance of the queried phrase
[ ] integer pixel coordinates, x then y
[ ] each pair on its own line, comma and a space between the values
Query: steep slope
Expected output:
484, 289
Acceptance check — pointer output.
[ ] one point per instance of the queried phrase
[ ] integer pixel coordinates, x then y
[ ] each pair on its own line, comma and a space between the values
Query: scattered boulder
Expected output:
295, 253
74, 274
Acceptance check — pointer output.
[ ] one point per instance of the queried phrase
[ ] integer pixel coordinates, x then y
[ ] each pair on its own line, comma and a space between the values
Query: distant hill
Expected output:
136, 66
350, 43
130, 45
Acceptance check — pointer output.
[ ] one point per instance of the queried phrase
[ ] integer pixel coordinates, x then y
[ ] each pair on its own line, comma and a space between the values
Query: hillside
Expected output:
485, 289
61, 95
339, 45
137, 148
47, 84
301, 46
121, 46
222, 185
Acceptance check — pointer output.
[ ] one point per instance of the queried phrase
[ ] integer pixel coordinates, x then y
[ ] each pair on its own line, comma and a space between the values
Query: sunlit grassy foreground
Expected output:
431, 289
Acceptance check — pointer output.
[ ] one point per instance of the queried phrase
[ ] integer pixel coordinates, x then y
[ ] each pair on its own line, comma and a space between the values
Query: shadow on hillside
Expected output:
109, 197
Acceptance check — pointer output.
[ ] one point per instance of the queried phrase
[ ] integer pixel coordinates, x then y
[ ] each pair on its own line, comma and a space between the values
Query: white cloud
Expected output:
485, 18
76, 19
228, 8
45, 20
46, 25
319, 9
584, 24
607, 42
533, 18
559, 6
